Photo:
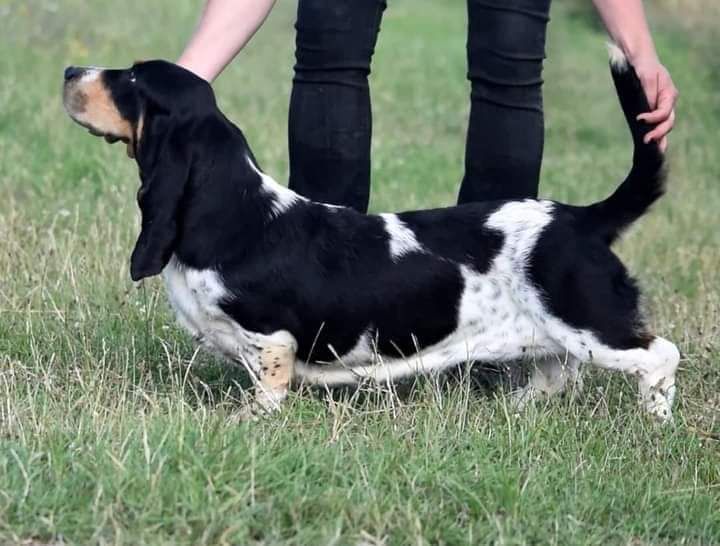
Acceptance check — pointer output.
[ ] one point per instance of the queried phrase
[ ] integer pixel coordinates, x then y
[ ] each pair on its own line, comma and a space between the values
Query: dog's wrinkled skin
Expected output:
298, 291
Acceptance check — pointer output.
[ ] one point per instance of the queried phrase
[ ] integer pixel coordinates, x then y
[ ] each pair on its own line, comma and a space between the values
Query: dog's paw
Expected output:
658, 403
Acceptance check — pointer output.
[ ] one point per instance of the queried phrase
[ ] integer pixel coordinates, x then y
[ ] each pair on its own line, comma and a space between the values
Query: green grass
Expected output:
114, 430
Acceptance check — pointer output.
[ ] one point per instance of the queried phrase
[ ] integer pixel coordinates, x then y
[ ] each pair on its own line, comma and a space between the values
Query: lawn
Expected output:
115, 430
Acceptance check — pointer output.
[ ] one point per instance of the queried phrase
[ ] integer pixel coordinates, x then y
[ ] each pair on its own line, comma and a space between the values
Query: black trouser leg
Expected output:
330, 118
505, 49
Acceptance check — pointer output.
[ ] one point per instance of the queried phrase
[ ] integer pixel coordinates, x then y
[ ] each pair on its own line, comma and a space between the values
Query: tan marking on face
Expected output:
89, 102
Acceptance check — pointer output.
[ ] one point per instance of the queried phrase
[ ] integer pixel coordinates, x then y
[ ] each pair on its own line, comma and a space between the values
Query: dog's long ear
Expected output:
159, 197
176, 103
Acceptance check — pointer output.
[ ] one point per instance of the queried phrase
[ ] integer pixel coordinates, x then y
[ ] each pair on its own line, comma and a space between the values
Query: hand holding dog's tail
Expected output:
645, 182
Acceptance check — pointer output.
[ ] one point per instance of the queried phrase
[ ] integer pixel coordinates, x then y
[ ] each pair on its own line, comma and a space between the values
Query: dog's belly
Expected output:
496, 323
499, 341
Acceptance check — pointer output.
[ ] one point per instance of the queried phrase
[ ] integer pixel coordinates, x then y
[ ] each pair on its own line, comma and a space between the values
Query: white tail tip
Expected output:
618, 59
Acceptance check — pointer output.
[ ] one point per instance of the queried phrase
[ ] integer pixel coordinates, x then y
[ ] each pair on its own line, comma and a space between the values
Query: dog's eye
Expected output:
132, 77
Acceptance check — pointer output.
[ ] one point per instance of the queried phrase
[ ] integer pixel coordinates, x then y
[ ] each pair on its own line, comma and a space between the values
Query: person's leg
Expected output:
505, 48
330, 117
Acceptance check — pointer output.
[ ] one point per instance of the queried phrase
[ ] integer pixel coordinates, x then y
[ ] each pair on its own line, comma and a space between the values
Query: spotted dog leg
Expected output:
274, 373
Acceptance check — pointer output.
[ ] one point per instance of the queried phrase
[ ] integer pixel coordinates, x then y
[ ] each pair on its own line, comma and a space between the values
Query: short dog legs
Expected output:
654, 368
273, 371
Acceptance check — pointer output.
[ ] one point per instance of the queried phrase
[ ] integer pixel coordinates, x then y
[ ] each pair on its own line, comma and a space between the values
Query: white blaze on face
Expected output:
90, 75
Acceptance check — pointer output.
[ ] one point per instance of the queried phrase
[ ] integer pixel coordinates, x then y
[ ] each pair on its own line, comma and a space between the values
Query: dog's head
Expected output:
117, 103
155, 107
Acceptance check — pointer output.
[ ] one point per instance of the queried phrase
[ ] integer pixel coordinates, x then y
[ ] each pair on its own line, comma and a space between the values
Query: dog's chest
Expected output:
195, 295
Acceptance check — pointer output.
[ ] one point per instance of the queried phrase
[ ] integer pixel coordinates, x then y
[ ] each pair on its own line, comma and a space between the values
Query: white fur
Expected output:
90, 74
618, 59
402, 238
282, 198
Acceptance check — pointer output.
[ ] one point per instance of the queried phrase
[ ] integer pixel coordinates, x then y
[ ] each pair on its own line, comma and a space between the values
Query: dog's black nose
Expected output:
72, 72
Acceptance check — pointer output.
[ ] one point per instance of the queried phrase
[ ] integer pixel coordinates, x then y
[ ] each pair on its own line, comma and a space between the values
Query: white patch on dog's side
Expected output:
521, 223
402, 239
493, 320
282, 198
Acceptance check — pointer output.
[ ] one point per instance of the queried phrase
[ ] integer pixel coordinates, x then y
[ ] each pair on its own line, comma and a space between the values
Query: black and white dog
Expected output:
299, 291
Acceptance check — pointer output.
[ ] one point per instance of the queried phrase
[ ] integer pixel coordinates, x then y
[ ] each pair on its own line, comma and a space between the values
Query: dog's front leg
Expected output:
274, 374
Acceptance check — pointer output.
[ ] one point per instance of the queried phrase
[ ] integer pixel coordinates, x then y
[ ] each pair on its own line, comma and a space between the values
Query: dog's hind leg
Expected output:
654, 367
550, 375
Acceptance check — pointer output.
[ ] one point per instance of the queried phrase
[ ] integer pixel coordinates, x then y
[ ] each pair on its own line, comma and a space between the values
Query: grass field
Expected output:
114, 430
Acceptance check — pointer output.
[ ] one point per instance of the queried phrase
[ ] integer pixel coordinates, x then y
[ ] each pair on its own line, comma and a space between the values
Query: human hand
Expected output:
662, 96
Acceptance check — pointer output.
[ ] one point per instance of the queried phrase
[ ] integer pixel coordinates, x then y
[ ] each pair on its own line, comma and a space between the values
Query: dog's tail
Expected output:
645, 182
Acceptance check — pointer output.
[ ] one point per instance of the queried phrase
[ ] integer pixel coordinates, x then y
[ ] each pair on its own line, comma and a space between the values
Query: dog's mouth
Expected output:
75, 102
108, 137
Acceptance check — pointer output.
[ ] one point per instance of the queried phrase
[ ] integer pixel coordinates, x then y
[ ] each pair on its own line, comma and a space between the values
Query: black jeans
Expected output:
330, 121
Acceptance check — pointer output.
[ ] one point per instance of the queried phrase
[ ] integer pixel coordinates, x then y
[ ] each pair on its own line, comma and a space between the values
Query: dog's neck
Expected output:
231, 209
280, 197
